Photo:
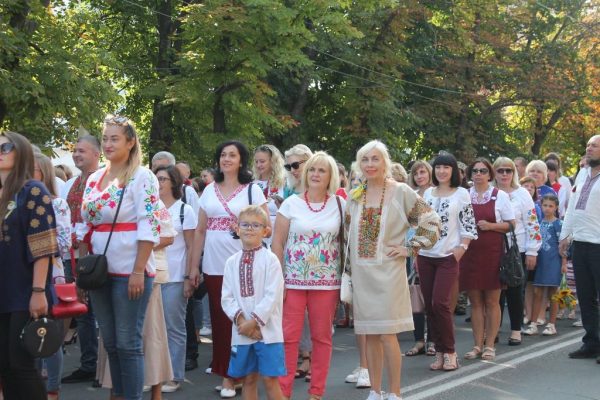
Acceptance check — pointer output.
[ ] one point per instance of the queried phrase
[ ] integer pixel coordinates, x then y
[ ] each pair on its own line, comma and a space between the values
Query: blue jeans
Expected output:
86, 332
174, 305
54, 369
121, 324
586, 264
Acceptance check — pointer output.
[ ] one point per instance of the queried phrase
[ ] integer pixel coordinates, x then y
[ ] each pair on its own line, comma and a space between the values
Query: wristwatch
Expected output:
464, 246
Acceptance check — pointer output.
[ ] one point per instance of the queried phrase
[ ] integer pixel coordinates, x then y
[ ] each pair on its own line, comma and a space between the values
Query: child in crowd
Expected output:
550, 265
252, 297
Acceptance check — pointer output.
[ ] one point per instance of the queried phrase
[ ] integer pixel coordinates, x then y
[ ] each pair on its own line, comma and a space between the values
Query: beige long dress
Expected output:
381, 300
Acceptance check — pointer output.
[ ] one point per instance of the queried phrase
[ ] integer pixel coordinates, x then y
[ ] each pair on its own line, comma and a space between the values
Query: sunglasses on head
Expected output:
294, 165
504, 171
7, 147
117, 119
481, 171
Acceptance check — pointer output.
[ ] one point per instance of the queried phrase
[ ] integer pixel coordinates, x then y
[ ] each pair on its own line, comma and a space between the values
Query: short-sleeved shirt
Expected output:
140, 206
221, 213
502, 207
312, 251
28, 233
177, 252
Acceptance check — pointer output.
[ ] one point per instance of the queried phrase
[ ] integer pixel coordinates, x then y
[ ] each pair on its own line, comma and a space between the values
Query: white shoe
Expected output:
147, 388
353, 377
205, 331
532, 330
578, 324
392, 396
373, 395
170, 387
227, 393
363, 380
550, 330
208, 370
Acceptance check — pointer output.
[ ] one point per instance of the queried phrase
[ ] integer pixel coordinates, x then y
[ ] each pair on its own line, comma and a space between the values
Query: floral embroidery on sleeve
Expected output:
151, 204
533, 226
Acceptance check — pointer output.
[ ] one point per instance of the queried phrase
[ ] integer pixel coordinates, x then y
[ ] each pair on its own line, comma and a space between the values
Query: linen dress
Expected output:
549, 261
381, 300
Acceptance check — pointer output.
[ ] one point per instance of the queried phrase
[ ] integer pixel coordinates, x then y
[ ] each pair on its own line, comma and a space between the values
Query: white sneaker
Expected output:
208, 370
532, 330
550, 330
373, 395
363, 380
205, 331
392, 396
578, 324
227, 393
170, 387
147, 388
353, 377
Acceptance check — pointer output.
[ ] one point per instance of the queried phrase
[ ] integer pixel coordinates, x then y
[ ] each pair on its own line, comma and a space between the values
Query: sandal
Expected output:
418, 348
301, 373
473, 354
308, 376
489, 353
431, 349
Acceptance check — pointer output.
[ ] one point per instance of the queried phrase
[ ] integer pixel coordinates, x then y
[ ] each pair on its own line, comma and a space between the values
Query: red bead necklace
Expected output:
312, 209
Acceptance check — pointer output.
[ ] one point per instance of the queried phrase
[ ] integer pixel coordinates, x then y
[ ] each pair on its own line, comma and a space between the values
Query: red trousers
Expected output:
221, 326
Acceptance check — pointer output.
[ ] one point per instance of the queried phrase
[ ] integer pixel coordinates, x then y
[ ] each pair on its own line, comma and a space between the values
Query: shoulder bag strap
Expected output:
250, 193
181, 215
114, 220
341, 235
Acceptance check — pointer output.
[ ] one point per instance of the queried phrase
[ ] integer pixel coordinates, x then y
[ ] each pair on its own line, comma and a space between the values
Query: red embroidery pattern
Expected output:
224, 201
219, 223
321, 282
245, 272
257, 318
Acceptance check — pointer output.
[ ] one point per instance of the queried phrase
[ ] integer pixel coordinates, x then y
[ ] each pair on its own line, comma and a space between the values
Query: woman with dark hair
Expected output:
177, 289
220, 205
438, 266
27, 243
480, 266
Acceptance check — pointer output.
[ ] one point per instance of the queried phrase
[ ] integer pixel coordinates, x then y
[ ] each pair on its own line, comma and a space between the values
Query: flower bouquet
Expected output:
564, 296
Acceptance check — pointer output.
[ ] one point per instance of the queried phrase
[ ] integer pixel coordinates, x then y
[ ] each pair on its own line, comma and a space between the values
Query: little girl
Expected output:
550, 265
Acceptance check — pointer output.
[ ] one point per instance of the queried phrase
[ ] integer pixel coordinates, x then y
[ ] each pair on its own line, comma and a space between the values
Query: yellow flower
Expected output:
357, 192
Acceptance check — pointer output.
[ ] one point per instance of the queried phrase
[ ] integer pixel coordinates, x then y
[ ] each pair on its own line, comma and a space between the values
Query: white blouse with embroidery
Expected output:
221, 213
140, 205
458, 221
503, 209
527, 227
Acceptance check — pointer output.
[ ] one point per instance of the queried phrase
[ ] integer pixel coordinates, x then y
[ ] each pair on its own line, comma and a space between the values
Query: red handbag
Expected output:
68, 305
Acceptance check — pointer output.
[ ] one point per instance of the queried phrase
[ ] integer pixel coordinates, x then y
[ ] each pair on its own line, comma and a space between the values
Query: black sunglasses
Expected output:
504, 171
294, 165
7, 147
481, 171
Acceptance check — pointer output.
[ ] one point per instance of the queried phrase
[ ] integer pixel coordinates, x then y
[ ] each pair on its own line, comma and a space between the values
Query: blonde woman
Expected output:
269, 174
120, 305
294, 164
378, 218
307, 244
399, 173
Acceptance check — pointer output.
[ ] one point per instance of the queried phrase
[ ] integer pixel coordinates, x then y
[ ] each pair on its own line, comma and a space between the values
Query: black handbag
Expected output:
92, 270
511, 264
42, 337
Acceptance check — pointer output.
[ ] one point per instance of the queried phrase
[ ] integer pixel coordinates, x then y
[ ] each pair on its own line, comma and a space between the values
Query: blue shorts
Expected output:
266, 359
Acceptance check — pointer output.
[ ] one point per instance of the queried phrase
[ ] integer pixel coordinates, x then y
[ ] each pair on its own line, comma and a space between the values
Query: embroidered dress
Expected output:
548, 266
527, 227
139, 207
312, 251
253, 286
381, 300
221, 214
27, 234
62, 214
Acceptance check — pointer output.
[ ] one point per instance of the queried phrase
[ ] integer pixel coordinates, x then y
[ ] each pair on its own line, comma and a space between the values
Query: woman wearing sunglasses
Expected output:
269, 174
480, 265
294, 164
529, 240
27, 241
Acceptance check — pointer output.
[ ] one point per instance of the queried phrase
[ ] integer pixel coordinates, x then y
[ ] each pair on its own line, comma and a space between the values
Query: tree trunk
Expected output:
219, 115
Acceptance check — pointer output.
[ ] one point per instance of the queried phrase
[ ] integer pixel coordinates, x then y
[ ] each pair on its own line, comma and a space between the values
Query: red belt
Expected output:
119, 227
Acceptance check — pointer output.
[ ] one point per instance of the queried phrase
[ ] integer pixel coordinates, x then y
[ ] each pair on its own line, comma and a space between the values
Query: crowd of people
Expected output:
253, 252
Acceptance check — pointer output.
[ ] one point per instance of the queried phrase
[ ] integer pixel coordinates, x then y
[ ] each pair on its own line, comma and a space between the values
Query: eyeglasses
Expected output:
481, 171
294, 165
254, 225
7, 147
163, 179
504, 171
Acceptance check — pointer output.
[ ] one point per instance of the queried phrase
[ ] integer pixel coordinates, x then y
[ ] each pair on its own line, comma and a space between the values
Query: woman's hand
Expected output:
188, 288
136, 286
458, 252
398, 251
530, 262
38, 305
485, 225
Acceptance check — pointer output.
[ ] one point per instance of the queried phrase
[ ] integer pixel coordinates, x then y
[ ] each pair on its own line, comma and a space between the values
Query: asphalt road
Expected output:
538, 369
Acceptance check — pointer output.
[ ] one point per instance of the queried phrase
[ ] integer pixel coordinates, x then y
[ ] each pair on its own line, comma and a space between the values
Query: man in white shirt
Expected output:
582, 227
189, 194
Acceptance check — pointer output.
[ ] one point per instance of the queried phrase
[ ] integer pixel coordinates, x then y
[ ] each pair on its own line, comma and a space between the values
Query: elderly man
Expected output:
189, 195
582, 227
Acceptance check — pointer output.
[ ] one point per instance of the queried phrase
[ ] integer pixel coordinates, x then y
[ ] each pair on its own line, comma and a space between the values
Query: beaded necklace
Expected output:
312, 209
370, 225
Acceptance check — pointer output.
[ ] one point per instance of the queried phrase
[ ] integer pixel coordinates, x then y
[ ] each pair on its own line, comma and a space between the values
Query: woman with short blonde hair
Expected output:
294, 164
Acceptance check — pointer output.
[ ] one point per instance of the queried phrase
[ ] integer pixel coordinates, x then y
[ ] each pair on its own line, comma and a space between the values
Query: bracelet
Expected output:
38, 290
137, 273
186, 277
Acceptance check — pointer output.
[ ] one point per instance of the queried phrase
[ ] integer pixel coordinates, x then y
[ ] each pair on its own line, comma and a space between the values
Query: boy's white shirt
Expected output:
266, 306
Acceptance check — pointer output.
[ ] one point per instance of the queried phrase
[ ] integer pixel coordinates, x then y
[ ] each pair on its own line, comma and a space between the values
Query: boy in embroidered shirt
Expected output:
252, 297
